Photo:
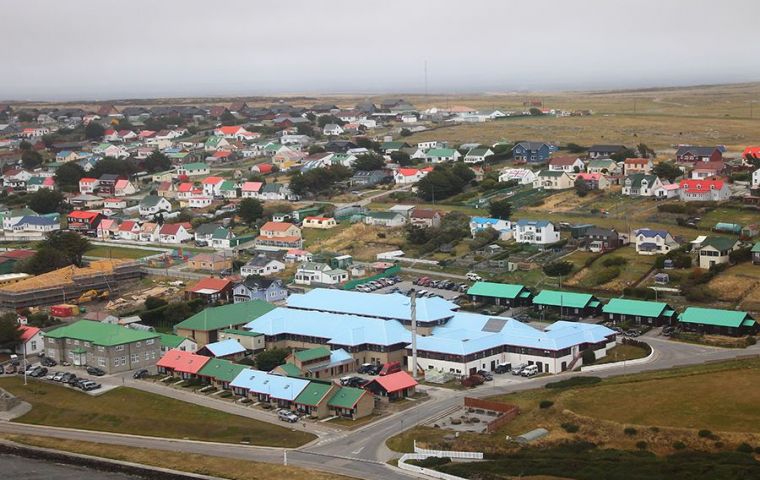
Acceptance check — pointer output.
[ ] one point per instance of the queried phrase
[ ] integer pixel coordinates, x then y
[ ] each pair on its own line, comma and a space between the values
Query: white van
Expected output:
474, 277
529, 371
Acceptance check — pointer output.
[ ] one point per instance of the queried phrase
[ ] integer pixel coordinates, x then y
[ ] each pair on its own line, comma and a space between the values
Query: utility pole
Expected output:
426, 79
413, 297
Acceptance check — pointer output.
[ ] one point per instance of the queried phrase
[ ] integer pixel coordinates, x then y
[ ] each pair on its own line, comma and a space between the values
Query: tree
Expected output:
115, 166
417, 235
367, 143
444, 181
327, 119
10, 334
70, 244
558, 269
500, 209
68, 175
316, 149
44, 260
157, 162
575, 148
369, 161
535, 111
176, 312
620, 156
667, 170
484, 237
44, 200
94, 131
644, 151
250, 210
401, 158
269, 359
581, 187
31, 159
154, 302
405, 132
318, 180
25, 146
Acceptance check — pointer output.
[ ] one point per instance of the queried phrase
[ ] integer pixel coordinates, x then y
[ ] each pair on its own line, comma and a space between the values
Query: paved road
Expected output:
22, 468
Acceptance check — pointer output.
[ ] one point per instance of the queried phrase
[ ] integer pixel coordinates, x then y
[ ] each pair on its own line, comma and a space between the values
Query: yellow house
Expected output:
319, 222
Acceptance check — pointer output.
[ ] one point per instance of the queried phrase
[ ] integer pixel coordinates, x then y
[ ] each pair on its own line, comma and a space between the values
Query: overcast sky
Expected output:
98, 49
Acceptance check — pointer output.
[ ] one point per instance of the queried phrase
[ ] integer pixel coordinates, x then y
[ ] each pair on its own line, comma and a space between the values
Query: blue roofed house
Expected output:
536, 232
318, 362
258, 288
36, 225
228, 349
502, 227
532, 152
654, 242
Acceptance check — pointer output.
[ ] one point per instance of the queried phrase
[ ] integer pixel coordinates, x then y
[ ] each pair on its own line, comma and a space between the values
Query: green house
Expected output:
570, 304
718, 322
505, 294
639, 311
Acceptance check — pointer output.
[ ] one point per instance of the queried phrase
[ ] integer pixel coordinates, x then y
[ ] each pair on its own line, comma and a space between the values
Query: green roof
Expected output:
719, 243
227, 185
171, 341
715, 317
551, 173
392, 145
441, 152
346, 397
312, 354
222, 370
478, 152
498, 290
225, 316
291, 370
313, 393
104, 334
245, 333
634, 307
601, 163
637, 178
195, 166
383, 215
565, 299
756, 248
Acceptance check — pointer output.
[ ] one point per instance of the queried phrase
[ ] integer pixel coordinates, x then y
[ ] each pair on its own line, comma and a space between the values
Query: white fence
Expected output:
422, 453
624, 363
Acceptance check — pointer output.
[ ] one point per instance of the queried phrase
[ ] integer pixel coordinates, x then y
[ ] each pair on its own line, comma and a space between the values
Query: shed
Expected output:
531, 436
728, 228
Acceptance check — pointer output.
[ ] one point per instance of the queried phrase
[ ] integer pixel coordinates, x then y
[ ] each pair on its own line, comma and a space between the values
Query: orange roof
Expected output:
229, 130
27, 332
700, 186
210, 283
395, 381
252, 186
289, 239
83, 214
182, 361
637, 161
752, 152
127, 225
185, 187
276, 226
212, 180
87, 180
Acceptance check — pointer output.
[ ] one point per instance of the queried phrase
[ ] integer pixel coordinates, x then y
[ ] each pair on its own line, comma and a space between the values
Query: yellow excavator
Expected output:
91, 295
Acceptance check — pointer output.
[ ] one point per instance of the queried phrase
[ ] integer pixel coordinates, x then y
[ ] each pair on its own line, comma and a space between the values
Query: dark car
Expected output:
142, 373
504, 368
48, 362
38, 372
68, 377
98, 372
486, 375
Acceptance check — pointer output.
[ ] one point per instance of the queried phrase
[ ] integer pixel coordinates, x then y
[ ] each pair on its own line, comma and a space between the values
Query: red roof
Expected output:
83, 214
212, 180
276, 226
751, 151
222, 154
229, 130
716, 166
424, 213
182, 361
637, 161
563, 160
88, 180
408, 172
171, 228
27, 332
395, 381
590, 176
265, 167
210, 283
127, 226
251, 186
18, 254
185, 187
698, 186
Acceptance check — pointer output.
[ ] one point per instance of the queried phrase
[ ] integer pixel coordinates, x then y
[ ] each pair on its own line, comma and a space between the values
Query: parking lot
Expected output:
70, 376
404, 286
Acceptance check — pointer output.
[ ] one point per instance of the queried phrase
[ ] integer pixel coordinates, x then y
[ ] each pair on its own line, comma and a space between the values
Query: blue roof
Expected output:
225, 347
651, 233
336, 329
376, 305
535, 223
482, 220
339, 355
276, 386
37, 220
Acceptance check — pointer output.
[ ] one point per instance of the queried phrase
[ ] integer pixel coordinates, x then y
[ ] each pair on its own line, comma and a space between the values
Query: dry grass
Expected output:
185, 462
362, 241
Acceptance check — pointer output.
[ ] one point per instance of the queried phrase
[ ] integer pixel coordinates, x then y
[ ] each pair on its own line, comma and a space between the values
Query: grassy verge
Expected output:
126, 410
185, 462
352, 424
620, 353
119, 252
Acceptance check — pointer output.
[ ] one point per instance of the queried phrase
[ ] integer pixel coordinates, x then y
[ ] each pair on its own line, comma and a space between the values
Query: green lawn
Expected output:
630, 273
119, 252
126, 410
623, 352
728, 215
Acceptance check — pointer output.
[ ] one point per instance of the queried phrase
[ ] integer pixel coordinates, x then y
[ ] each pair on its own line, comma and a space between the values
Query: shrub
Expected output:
679, 445
557, 269
570, 427
745, 447
751, 341
574, 382
605, 275
630, 431
588, 356
545, 404
431, 462
719, 445
705, 433
654, 429
641, 445
614, 261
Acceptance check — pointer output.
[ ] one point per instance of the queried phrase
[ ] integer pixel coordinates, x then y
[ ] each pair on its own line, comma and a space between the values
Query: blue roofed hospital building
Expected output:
377, 328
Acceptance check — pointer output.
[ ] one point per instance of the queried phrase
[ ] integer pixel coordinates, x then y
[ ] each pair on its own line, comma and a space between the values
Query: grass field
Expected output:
630, 273
623, 352
184, 462
126, 410
729, 215
119, 252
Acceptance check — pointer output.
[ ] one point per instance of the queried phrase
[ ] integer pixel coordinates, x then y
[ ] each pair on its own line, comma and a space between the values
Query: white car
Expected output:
474, 277
287, 416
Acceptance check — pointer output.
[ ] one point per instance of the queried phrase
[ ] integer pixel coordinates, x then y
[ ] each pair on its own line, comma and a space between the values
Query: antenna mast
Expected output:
413, 296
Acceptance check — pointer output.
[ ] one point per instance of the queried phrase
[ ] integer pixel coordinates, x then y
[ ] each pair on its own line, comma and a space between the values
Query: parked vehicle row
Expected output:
441, 284
525, 370
356, 382
377, 284
66, 378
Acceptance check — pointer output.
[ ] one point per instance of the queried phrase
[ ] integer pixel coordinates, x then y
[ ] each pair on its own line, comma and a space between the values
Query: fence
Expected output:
624, 363
350, 285
508, 412
421, 454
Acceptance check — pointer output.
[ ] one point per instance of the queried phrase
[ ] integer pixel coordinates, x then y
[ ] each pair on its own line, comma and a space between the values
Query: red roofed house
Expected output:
211, 185
235, 131
185, 190
594, 181
704, 190
425, 218
123, 188
279, 234
637, 165
107, 229
319, 222
166, 189
129, 230
88, 185
393, 387
263, 168
211, 290
174, 233
32, 342
704, 170
410, 175
115, 203
84, 221
251, 189
567, 164
180, 362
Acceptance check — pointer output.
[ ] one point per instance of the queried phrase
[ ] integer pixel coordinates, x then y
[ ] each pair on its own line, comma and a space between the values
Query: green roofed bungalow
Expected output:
570, 304
353, 403
169, 341
220, 372
311, 355
639, 311
288, 369
204, 326
506, 294
313, 400
756, 253
718, 322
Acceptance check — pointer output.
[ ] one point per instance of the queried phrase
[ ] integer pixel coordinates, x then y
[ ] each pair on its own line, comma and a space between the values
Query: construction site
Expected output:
98, 280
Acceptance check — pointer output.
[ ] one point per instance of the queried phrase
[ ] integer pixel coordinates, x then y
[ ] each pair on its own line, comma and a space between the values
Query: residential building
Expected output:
715, 250
569, 164
641, 185
478, 155
536, 232
212, 262
756, 253
640, 312
503, 294
228, 349
717, 322
755, 178
704, 190
174, 233
194, 169
280, 235
593, 181
205, 327
183, 364
637, 165
532, 152
323, 223
170, 341
406, 176
553, 180
210, 290
385, 219
31, 341
332, 129
223, 238
123, 188
425, 218
440, 155
653, 242
364, 178
153, 205
691, 154
707, 170
523, 176
255, 287
394, 386
262, 265
570, 304
320, 362
502, 227
88, 185
597, 240
84, 221
605, 166
313, 273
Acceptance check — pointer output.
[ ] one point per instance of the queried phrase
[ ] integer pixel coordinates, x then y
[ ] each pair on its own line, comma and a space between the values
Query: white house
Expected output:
716, 250
212, 185
440, 155
653, 242
153, 204
332, 129
704, 190
553, 180
535, 232
756, 178
385, 219
523, 176
124, 187
406, 176
261, 265
642, 185
32, 341
311, 273
477, 155
503, 227
566, 164
199, 201
174, 233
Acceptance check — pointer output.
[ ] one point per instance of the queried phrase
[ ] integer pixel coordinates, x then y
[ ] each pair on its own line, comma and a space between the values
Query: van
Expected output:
473, 277
529, 371
390, 367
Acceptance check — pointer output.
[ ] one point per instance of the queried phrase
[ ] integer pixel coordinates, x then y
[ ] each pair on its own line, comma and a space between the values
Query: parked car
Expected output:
10, 368
474, 277
390, 367
142, 373
529, 371
363, 368
67, 377
58, 377
632, 333
486, 375
48, 362
287, 416
502, 368
88, 385
98, 372
39, 372
52, 375
518, 369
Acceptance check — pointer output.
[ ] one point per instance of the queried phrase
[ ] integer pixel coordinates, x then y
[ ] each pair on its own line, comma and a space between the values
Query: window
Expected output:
149, 342
101, 348
116, 362
68, 341
138, 344
86, 344
34, 345
147, 355
134, 358
119, 348
101, 362
76, 342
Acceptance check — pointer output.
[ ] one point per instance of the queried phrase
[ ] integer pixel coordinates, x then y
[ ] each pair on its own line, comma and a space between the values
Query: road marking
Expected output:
356, 452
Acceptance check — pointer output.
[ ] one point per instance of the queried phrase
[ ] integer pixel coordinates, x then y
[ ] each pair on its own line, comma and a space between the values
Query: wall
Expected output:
508, 412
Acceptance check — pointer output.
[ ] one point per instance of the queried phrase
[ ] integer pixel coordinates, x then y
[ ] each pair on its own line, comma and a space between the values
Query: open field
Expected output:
185, 462
729, 215
119, 252
125, 410
736, 283
630, 273
360, 240
623, 352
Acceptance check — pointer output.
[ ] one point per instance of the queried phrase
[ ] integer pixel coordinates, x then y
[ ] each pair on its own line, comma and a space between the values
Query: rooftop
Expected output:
226, 316
104, 334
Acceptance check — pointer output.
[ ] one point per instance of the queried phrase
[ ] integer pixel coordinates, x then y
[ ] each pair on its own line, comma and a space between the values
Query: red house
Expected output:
184, 363
84, 221
690, 154
211, 289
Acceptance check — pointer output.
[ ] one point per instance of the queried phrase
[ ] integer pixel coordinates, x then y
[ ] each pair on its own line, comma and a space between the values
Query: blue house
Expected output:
259, 288
533, 152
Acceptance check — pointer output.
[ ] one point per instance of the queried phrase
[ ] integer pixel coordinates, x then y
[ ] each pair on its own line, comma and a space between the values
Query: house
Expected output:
257, 288
212, 185
715, 250
440, 155
276, 191
717, 322
198, 201
192, 169
313, 273
321, 362
39, 224
219, 372
204, 232
319, 222
708, 190
503, 294
107, 229
124, 187
212, 262
110, 347
215, 144
262, 265
353, 403
756, 253
385, 219
593, 181
187, 190
502, 227
236, 132
567, 164
604, 151
605, 166
228, 349
210, 290
395, 386
536, 232
16, 178
297, 255
129, 230
280, 235
88, 185
691, 154
406, 176
229, 189
425, 218
576, 305
332, 129
175, 233
84, 221
223, 238
37, 183
756, 178
107, 184
252, 341
600, 239
522, 176
553, 180
114, 203
250, 189
205, 326
149, 232
31, 341
705, 170
640, 312
637, 165
532, 152
390, 147
180, 363
478, 155
642, 185
153, 205
653, 242
170, 341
